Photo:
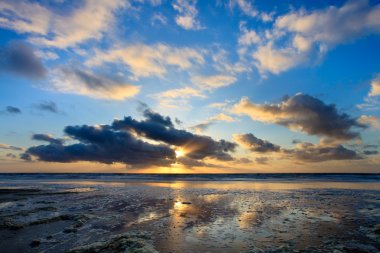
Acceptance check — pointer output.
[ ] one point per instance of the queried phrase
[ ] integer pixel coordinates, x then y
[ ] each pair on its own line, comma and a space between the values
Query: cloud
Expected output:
20, 59
307, 35
86, 83
47, 138
61, 30
333, 25
10, 155
149, 60
9, 147
213, 81
308, 152
24, 17
255, 144
149, 142
375, 87
247, 37
262, 160
161, 129
48, 106
201, 127
177, 98
185, 92
105, 145
372, 121
276, 60
159, 18
370, 152
245, 6
187, 14
243, 160
12, 110
304, 113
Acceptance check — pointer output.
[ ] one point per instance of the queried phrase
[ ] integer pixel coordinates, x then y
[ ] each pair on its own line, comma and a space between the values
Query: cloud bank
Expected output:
303, 113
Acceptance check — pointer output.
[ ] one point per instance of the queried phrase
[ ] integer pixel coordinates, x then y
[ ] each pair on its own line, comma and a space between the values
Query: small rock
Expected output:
35, 243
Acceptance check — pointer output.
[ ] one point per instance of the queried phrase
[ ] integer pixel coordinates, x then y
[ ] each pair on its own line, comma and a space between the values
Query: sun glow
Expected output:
179, 153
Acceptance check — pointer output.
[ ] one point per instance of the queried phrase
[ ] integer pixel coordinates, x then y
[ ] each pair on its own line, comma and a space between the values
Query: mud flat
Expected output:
189, 216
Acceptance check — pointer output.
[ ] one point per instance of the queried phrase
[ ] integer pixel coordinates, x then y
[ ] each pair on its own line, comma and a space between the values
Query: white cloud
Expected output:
149, 60
333, 25
213, 81
177, 98
181, 93
307, 35
247, 37
187, 14
276, 60
373, 121
89, 21
24, 17
47, 55
245, 6
375, 87
159, 18
221, 117
86, 83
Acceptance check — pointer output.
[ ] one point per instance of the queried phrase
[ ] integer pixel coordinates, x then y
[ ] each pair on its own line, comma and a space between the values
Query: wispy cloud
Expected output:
221, 117
47, 106
53, 29
84, 82
300, 36
187, 14
213, 81
10, 147
12, 110
149, 60
177, 98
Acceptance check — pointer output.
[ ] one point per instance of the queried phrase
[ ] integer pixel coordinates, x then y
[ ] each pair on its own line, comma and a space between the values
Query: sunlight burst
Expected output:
179, 153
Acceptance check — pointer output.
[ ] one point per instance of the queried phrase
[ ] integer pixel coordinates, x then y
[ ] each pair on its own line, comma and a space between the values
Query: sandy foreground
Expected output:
90, 216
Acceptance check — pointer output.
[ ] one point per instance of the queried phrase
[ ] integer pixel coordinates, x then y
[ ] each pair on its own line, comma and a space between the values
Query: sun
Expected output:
179, 153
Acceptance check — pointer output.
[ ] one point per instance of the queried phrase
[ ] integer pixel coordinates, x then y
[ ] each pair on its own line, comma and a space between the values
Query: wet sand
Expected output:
189, 216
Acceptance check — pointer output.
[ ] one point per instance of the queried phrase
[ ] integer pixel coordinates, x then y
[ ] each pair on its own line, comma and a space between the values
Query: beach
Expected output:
239, 213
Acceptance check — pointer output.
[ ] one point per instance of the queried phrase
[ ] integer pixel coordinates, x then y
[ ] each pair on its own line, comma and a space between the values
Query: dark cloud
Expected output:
178, 121
48, 106
105, 145
12, 110
47, 138
19, 58
305, 113
10, 155
243, 160
309, 152
255, 144
159, 128
26, 157
9, 147
370, 146
262, 160
370, 152
118, 143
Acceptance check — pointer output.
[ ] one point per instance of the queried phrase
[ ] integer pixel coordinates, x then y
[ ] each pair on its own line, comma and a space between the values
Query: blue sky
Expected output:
249, 86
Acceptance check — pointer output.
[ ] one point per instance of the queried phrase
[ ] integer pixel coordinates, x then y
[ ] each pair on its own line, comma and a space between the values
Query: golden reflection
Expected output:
263, 186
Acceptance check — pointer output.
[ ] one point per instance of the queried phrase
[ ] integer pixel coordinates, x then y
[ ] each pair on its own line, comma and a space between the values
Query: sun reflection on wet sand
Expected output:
222, 216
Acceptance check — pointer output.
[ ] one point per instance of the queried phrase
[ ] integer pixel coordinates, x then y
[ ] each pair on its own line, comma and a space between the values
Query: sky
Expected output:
159, 86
